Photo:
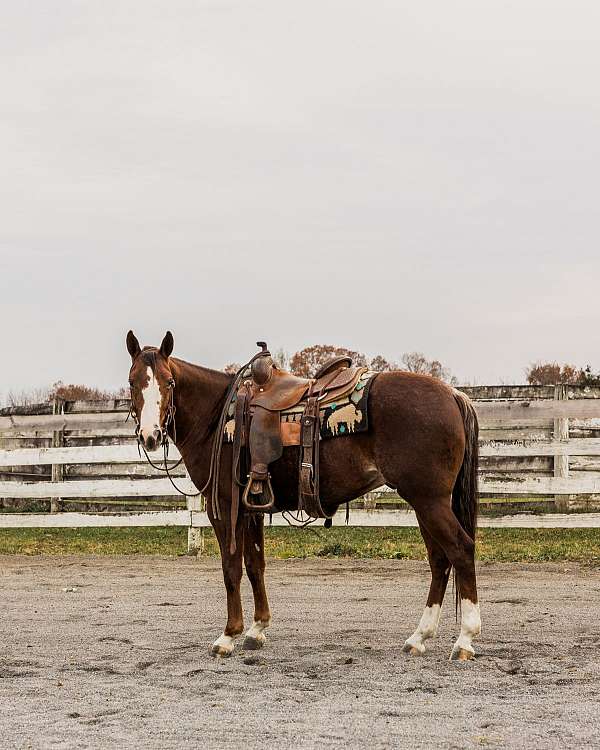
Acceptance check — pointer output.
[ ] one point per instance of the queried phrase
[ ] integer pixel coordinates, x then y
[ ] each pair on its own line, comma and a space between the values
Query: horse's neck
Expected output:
199, 398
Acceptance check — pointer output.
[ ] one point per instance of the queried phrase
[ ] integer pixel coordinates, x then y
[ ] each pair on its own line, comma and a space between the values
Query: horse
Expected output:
422, 441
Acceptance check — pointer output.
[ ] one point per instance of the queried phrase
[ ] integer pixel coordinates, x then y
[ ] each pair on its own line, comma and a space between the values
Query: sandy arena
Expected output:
123, 660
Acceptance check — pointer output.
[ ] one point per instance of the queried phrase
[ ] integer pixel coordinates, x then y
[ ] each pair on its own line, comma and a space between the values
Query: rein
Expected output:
215, 458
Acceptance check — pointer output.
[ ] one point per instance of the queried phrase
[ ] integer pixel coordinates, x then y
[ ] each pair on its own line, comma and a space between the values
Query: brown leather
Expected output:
336, 394
282, 391
310, 502
333, 364
241, 415
290, 433
265, 440
262, 366
344, 381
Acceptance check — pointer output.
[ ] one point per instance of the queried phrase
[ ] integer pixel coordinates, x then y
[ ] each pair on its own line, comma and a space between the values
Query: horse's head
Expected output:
152, 383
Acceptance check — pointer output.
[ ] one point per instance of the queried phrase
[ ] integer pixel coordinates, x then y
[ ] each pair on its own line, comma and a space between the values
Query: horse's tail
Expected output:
465, 495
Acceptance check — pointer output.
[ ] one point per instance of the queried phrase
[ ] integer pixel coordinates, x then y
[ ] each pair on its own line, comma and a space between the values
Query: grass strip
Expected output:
493, 545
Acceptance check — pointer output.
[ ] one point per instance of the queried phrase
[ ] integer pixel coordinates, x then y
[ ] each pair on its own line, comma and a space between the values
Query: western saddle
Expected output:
260, 433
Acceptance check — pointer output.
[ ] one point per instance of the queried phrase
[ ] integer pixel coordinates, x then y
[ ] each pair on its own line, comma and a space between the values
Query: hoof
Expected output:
223, 646
414, 649
461, 654
253, 644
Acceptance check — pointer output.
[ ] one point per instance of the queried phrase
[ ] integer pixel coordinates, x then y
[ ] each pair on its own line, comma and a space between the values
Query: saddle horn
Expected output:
262, 366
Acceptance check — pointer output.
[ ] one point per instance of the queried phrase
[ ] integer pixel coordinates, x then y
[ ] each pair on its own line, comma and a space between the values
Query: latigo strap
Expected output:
310, 501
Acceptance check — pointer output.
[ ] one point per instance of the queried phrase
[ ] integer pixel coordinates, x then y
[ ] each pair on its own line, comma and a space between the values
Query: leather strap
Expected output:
238, 440
309, 460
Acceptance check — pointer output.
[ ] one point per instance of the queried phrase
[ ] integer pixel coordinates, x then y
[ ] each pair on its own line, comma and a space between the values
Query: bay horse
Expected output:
422, 441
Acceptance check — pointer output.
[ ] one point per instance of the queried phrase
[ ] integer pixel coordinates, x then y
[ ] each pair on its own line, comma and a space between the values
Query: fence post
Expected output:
195, 534
58, 441
561, 432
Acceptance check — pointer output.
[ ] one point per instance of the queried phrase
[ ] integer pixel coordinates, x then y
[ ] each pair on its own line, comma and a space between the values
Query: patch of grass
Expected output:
168, 540
493, 545
539, 545
337, 550
345, 542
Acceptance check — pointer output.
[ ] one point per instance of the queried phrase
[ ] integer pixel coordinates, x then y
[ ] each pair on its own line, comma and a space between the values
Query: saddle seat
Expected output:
283, 390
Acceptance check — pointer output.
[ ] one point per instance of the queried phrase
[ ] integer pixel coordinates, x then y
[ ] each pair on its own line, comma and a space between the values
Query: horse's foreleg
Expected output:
254, 558
458, 546
232, 575
440, 571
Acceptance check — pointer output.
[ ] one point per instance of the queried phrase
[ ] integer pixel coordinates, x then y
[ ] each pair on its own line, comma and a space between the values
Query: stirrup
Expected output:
263, 507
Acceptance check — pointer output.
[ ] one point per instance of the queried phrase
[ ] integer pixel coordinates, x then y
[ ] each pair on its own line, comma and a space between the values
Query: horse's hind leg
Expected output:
254, 558
440, 571
445, 529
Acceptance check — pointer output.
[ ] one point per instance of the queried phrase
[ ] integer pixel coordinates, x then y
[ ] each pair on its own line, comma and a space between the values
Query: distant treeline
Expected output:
65, 391
308, 360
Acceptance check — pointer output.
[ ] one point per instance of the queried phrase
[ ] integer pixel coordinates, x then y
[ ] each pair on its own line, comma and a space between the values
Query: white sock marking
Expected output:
427, 628
470, 626
256, 631
224, 642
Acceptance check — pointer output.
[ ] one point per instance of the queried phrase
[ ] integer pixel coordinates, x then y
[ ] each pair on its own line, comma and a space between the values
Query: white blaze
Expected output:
150, 416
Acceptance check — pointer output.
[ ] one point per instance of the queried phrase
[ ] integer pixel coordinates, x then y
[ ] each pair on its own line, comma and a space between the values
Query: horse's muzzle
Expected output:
152, 441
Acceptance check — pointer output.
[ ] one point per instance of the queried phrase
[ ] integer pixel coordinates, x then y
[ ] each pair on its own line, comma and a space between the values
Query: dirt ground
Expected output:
123, 660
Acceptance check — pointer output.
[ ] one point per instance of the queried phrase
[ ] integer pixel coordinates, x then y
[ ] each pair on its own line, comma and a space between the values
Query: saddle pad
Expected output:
346, 416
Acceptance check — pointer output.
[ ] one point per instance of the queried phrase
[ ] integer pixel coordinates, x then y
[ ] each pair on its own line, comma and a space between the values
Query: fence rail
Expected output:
534, 441
361, 518
96, 454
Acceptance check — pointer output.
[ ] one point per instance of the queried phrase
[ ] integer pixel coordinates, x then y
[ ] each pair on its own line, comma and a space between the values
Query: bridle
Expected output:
168, 421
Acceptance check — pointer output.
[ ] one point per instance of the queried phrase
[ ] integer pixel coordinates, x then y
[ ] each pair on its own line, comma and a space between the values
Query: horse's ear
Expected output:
133, 345
167, 345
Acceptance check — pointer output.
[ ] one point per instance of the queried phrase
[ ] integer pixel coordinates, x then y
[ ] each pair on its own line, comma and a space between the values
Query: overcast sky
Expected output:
388, 176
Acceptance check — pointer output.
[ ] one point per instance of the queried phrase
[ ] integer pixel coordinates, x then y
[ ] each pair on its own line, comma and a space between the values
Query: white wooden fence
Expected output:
534, 442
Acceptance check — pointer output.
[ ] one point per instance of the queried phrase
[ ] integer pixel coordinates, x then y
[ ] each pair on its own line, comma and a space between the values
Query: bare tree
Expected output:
307, 361
381, 364
588, 377
66, 391
79, 392
418, 362
28, 397
415, 362
552, 373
